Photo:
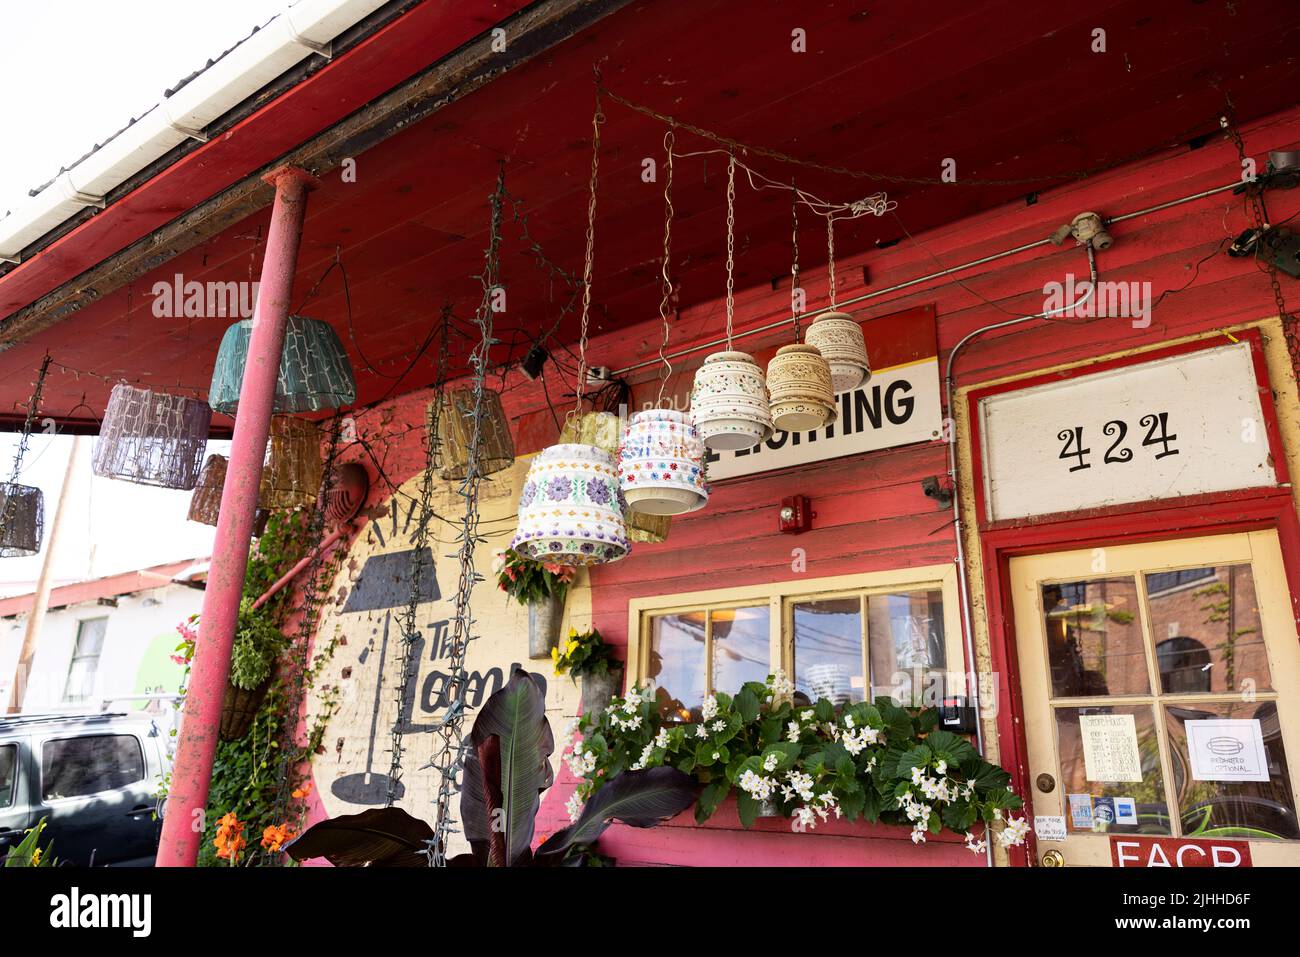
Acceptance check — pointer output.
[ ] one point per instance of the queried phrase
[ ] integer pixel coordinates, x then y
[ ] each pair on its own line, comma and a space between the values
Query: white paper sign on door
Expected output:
1110, 747
1226, 749
1049, 828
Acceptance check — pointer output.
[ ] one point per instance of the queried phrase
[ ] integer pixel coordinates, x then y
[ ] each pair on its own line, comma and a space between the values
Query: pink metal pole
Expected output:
183, 823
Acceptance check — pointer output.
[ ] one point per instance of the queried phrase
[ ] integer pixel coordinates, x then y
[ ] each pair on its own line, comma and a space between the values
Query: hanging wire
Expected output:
449, 759
597, 118
794, 265
667, 370
830, 257
731, 246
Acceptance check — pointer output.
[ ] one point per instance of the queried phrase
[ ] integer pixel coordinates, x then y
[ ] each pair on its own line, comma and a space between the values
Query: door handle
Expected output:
1053, 858
140, 809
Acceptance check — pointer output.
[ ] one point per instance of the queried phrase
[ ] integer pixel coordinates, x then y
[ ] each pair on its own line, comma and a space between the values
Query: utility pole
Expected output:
43, 586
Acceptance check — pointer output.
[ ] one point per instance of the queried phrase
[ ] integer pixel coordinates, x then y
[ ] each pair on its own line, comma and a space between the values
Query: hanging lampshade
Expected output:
205, 503
604, 430
661, 463
152, 438
315, 373
839, 339
799, 381
455, 433
22, 520
571, 511
729, 403
292, 472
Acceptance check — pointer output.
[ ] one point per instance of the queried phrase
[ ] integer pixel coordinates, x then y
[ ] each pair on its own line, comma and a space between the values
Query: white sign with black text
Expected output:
1226, 749
897, 406
1186, 424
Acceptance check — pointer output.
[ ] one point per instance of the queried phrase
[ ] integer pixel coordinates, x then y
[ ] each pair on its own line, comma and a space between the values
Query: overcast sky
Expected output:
74, 72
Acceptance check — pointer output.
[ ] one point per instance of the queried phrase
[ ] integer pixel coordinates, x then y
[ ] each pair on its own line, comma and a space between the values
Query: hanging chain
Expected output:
449, 759
416, 568
33, 405
794, 266
1259, 214
667, 370
597, 118
731, 245
830, 256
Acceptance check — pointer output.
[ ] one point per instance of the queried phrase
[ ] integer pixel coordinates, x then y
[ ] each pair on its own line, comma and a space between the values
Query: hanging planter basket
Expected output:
293, 472
729, 403
544, 619
205, 503
239, 709
456, 433
151, 438
604, 430
799, 381
570, 511
315, 373
22, 520
598, 690
840, 341
661, 464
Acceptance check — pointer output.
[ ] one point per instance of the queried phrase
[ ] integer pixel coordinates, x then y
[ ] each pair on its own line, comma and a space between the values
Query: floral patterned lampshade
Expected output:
455, 433
661, 463
152, 438
293, 471
729, 402
22, 520
604, 430
571, 511
315, 373
205, 503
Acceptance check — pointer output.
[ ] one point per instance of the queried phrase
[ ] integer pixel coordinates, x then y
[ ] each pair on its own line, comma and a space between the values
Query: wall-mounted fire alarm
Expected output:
796, 514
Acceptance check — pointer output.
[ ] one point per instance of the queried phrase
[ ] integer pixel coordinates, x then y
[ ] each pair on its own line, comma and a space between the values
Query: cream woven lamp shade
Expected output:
455, 433
839, 339
152, 438
604, 430
799, 382
293, 471
729, 402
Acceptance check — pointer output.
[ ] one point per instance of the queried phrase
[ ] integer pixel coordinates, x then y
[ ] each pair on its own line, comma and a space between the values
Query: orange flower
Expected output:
276, 836
303, 791
229, 841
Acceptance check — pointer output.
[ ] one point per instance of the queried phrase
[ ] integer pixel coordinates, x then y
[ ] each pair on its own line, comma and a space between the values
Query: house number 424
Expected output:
1116, 430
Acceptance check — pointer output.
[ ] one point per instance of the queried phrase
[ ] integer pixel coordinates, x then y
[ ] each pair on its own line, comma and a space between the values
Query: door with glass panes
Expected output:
1161, 687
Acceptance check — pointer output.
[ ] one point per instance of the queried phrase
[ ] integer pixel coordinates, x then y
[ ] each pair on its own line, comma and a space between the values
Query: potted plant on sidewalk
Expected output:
585, 655
258, 643
541, 587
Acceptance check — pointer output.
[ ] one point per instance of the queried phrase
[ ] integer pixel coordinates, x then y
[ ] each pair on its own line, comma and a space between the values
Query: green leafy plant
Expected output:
877, 762
506, 769
29, 853
584, 653
258, 643
528, 581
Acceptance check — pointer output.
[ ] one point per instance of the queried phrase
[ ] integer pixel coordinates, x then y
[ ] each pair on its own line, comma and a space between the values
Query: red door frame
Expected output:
1219, 513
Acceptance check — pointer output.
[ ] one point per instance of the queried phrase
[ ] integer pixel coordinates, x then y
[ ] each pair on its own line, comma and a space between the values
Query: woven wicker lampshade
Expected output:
839, 339
152, 438
799, 381
205, 503
293, 470
315, 373
604, 430
455, 433
22, 520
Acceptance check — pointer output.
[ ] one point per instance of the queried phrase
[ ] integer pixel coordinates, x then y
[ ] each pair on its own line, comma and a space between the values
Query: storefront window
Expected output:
906, 637
1110, 769
828, 649
732, 641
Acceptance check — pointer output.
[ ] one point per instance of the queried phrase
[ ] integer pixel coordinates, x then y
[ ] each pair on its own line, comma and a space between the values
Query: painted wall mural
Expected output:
368, 601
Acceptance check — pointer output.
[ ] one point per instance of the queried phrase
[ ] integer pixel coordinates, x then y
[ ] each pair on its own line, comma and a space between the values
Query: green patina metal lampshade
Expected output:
315, 373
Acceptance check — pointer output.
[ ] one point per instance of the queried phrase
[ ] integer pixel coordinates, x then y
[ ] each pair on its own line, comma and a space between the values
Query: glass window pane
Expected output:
741, 646
1094, 638
1205, 622
905, 637
90, 637
74, 766
8, 773
677, 663
828, 649
1111, 780
81, 680
1219, 790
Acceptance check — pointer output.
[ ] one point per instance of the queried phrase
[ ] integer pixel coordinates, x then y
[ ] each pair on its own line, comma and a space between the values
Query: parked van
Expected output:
94, 778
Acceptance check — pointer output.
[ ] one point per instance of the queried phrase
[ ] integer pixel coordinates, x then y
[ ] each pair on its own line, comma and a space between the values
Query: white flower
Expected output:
719, 725
782, 686
941, 768
709, 711
792, 731
582, 764
807, 714
632, 701
803, 819
574, 806
801, 783
973, 845
855, 741
661, 739
918, 835
1014, 833
848, 721
716, 755
770, 762
756, 786
645, 757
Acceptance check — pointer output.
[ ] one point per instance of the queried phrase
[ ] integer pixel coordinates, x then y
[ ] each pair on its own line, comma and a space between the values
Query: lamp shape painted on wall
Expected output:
293, 471
315, 373
152, 438
496, 449
604, 430
22, 520
837, 336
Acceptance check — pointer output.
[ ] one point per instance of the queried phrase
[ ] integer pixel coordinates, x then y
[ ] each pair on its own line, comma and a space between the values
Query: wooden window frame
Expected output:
780, 598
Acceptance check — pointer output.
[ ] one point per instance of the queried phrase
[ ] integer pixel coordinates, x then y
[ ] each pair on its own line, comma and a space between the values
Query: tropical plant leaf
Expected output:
636, 798
474, 814
378, 837
516, 715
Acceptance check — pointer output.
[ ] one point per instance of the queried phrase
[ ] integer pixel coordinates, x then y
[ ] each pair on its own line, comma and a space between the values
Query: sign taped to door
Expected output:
1110, 747
1227, 749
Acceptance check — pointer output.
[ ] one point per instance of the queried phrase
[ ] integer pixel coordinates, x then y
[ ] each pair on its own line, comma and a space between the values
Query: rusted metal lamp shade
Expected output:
293, 472
456, 432
315, 372
22, 520
205, 503
604, 430
152, 438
